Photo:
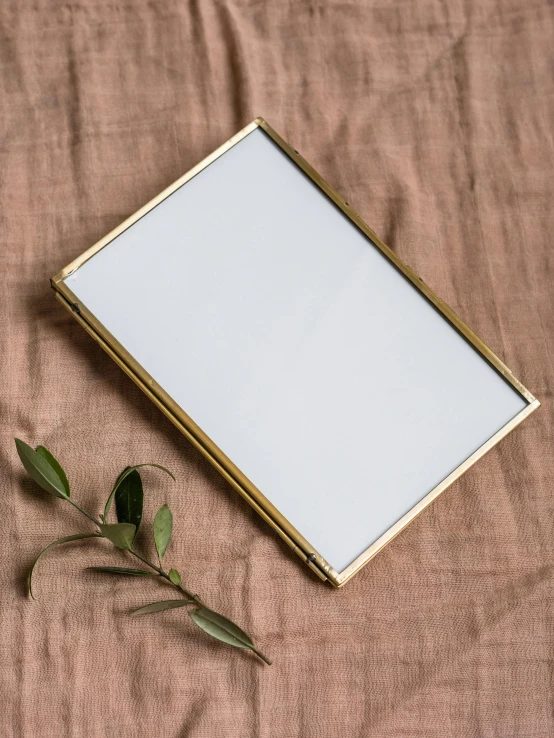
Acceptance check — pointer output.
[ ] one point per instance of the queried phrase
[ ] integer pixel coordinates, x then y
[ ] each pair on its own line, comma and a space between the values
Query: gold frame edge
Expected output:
196, 436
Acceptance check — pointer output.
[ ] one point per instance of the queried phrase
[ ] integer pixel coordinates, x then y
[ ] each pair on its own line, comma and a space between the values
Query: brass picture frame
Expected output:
200, 440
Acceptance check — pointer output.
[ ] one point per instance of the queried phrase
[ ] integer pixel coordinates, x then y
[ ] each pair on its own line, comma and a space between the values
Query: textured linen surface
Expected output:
435, 120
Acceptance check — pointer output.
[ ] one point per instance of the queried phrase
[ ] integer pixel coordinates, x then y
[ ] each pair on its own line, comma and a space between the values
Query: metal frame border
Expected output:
199, 439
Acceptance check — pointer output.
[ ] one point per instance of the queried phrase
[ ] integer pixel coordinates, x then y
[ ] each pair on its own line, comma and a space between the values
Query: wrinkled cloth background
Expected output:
435, 120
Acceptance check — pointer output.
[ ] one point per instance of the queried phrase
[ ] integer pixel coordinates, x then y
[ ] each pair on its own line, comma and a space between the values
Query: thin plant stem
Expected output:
132, 551
165, 575
162, 573
89, 516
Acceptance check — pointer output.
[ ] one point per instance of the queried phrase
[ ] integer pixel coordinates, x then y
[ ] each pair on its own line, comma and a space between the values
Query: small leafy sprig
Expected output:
128, 494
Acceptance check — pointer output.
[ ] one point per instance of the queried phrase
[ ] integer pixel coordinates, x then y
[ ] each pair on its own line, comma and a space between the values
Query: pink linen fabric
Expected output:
434, 120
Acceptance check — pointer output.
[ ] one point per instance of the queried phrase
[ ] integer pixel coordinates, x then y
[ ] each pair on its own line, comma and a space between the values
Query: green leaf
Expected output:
161, 606
65, 539
121, 535
122, 570
124, 474
163, 526
223, 629
174, 576
40, 470
129, 500
55, 464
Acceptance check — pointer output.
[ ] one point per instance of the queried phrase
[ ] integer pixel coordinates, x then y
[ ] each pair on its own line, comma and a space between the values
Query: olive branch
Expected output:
128, 494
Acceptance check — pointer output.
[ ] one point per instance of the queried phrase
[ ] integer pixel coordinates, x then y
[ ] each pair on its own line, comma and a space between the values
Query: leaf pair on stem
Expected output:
128, 493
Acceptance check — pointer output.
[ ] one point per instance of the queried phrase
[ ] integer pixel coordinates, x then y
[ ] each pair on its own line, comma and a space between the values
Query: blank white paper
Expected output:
296, 346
